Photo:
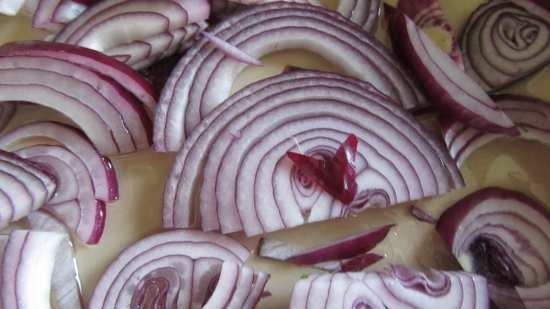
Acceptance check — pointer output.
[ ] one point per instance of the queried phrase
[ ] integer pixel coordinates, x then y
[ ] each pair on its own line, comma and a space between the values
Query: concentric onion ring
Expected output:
203, 78
25, 187
247, 139
396, 288
505, 41
504, 236
176, 267
531, 116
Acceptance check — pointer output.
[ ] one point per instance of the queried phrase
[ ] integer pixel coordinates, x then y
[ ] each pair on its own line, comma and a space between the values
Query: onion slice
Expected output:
531, 116
109, 116
92, 60
365, 13
344, 251
74, 203
195, 89
28, 268
504, 236
428, 16
25, 187
66, 289
456, 94
174, 267
247, 139
395, 288
231, 50
100, 168
505, 41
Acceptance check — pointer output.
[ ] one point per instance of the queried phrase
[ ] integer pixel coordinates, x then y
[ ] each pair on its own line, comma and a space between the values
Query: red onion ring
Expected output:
505, 41
395, 288
505, 236
186, 262
100, 169
362, 12
390, 170
25, 188
195, 88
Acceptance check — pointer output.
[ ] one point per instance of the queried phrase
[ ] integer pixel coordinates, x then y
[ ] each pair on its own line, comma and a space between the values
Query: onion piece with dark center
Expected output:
66, 289
428, 16
176, 268
531, 116
202, 80
504, 236
343, 253
455, 93
112, 118
99, 168
247, 139
395, 288
92, 60
24, 187
505, 41
74, 203
28, 267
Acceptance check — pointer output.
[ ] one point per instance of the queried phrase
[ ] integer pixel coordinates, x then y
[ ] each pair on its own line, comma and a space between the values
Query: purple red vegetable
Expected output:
505, 41
395, 288
504, 236
247, 139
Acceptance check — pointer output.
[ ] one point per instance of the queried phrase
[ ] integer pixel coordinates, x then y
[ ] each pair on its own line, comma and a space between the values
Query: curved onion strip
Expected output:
505, 236
203, 78
504, 41
428, 15
66, 288
24, 188
394, 288
109, 23
231, 50
362, 12
310, 112
185, 262
531, 116
92, 60
28, 268
53, 14
108, 116
90, 222
7, 111
100, 168
454, 92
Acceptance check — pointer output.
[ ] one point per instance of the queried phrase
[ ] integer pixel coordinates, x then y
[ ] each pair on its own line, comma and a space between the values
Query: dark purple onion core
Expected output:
493, 262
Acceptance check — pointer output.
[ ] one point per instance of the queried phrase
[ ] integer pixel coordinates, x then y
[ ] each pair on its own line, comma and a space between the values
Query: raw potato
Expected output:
138, 213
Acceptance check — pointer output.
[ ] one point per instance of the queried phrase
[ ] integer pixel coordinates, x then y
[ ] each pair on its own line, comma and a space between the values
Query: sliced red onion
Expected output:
427, 14
111, 117
456, 94
247, 139
28, 268
100, 169
74, 193
365, 13
53, 14
395, 288
531, 116
195, 88
92, 60
66, 289
342, 251
505, 41
7, 110
336, 175
231, 50
504, 236
110, 24
25, 187
174, 267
